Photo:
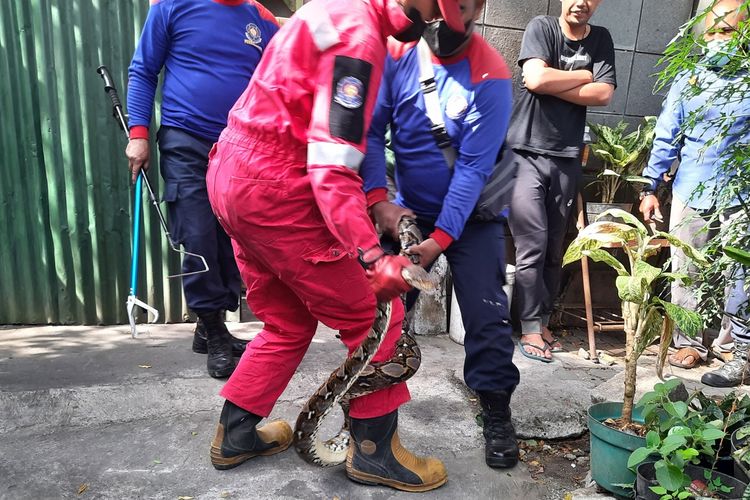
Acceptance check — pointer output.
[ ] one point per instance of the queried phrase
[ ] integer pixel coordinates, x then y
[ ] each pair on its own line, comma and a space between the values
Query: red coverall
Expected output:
283, 181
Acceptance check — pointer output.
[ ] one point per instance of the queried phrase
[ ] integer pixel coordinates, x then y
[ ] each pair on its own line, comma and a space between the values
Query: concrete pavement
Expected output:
89, 408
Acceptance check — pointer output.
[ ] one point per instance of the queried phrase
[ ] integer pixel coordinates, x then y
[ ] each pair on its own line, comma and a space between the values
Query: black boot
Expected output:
377, 457
501, 447
732, 373
219, 362
237, 440
200, 341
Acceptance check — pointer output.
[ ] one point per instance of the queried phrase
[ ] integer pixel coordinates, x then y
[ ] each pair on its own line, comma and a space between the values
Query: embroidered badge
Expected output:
253, 35
456, 106
349, 92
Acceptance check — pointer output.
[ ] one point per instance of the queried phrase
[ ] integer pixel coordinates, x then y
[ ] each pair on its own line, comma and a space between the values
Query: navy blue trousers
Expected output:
184, 162
477, 263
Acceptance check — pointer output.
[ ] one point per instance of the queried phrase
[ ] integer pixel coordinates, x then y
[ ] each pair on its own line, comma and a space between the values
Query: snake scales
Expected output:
357, 376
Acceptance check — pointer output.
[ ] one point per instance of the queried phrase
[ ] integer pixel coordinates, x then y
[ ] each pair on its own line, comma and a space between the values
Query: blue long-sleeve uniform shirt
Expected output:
699, 161
475, 97
209, 49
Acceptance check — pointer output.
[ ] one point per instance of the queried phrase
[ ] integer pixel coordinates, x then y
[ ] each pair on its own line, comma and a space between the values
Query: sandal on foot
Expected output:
521, 347
680, 358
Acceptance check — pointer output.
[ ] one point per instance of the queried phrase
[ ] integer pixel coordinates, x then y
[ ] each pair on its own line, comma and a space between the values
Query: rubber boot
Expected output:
501, 446
237, 440
200, 344
734, 372
376, 457
220, 362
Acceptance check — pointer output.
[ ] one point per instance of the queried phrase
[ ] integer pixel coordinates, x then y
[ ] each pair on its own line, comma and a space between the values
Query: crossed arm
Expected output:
576, 86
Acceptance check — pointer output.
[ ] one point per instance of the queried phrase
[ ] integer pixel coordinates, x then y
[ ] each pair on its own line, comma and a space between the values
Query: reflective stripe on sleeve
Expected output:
322, 30
326, 153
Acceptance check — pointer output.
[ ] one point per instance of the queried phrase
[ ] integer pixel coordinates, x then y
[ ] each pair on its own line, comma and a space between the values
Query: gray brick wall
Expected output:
640, 29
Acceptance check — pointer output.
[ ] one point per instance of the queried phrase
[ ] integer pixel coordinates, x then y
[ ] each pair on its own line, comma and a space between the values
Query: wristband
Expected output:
646, 192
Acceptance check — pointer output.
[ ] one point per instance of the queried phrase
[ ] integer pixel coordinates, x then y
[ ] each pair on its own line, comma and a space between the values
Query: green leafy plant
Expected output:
679, 435
646, 316
622, 154
682, 433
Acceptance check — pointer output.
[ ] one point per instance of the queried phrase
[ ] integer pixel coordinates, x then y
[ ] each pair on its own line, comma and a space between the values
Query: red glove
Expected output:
385, 277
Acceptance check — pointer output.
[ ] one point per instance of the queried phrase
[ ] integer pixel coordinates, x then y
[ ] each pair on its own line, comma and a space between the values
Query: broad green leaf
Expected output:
638, 456
680, 430
676, 408
652, 439
631, 288
692, 253
647, 398
671, 443
669, 476
604, 155
609, 259
628, 218
597, 235
687, 455
690, 322
609, 232
659, 490
711, 434
643, 269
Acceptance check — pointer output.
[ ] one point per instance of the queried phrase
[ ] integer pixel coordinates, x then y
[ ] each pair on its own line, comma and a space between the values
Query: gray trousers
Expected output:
542, 200
692, 226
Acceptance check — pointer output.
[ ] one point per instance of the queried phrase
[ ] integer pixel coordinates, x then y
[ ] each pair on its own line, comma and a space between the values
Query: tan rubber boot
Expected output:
237, 440
377, 457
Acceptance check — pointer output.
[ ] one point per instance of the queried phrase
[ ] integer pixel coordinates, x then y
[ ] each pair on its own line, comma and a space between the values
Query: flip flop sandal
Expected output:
521, 345
678, 359
554, 340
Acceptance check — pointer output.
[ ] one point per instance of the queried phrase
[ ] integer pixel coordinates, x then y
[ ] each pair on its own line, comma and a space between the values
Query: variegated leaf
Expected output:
643, 269
689, 322
599, 255
631, 288
692, 253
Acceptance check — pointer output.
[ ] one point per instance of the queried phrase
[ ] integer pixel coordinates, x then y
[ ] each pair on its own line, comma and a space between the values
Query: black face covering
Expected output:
442, 40
415, 29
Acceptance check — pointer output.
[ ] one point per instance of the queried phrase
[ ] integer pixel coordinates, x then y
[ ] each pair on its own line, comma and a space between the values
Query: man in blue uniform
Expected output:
209, 50
441, 186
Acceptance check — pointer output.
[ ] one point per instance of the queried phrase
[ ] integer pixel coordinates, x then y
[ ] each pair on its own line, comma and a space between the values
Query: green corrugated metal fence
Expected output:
65, 196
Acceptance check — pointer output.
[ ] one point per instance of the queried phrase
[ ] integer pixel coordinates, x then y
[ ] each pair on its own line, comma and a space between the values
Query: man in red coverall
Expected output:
283, 181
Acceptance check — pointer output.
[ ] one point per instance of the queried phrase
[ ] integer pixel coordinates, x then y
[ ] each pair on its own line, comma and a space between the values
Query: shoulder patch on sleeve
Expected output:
351, 81
486, 62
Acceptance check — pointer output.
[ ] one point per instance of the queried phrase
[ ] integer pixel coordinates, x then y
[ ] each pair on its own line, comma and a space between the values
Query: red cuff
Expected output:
138, 132
442, 238
376, 196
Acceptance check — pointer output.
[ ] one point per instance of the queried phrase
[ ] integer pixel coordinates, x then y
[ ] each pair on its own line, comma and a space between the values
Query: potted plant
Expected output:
685, 437
646, 316
622, 156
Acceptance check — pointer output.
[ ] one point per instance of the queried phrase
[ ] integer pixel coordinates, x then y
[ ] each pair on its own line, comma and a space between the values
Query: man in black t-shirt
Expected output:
568, 65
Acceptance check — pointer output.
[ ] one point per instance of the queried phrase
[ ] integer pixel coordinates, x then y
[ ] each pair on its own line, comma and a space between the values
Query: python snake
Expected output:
357, 376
